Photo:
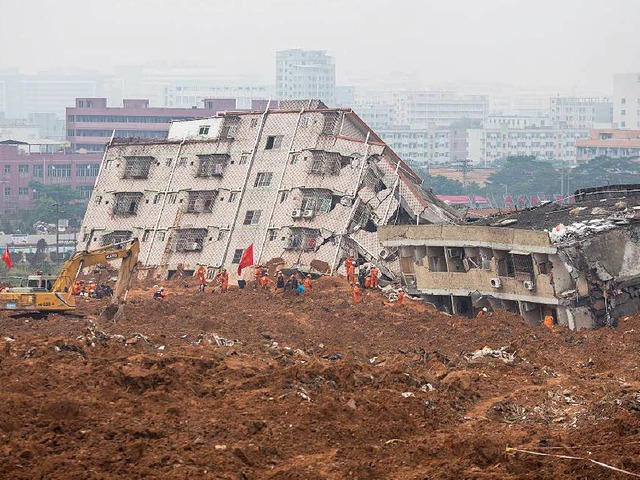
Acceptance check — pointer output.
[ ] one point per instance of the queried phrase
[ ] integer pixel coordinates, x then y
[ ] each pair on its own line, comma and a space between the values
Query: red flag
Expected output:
246, 259
6, 257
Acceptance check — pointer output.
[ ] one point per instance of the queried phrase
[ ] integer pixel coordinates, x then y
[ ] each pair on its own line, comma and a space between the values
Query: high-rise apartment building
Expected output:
581, 112
626, 100
304, 74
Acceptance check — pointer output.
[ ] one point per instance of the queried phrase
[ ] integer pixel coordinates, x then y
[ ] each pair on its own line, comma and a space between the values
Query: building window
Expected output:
127, 203
263, 179
243, 158
233, 196
317, 200
167, 162
59, 171
172, 198
7, 169
254, 123
87, 170
7, 191
303, 239
252, 217
23, 191
273, 142
98, 199
272, 235
85, 191
23, 168
237, 255
204, 130
294, 158
137, 167
201, 201
282, 196
145, 235
190, 239
212, 165
38, 171
158, 198
222, 234
36, 194
182, 162
117, 236
160, 236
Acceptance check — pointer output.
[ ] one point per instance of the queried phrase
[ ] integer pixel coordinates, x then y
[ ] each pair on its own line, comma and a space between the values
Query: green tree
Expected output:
523, 175
70, 205
603, 171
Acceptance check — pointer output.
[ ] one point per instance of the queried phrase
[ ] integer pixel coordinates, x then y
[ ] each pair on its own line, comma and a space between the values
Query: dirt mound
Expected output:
254, 384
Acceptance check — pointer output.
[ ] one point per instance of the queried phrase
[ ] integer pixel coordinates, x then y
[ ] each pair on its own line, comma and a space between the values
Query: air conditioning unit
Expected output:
529, 285
308, 214
297, 213
346, 201
496, 282
192, 247
387, 253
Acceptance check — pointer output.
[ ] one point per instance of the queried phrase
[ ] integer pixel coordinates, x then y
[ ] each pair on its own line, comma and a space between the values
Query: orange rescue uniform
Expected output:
307, 284
356, 294
400, 297
374, 277
223, 278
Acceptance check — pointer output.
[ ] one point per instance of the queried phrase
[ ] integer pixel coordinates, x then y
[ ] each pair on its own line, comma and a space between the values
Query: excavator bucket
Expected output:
115, 310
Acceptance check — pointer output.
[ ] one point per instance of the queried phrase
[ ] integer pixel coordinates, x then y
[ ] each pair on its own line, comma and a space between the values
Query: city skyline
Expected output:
557, 46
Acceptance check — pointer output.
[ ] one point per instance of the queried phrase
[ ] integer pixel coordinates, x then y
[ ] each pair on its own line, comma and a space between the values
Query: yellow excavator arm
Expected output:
60, 298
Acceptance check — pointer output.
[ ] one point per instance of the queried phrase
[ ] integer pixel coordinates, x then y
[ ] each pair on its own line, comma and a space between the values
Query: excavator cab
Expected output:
41, 283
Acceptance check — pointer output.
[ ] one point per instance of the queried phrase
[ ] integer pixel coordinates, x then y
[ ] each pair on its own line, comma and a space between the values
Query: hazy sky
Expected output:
537, 44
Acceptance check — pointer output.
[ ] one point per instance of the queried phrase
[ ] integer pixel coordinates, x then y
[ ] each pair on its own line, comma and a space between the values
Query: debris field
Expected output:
258, 385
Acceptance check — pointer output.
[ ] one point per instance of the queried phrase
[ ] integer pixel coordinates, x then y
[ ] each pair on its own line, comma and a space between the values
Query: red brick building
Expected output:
18, 169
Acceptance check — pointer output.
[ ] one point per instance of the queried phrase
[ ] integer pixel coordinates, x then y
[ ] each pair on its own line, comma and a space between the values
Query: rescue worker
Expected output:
292, 284
356, 293
367, 281
307, 283
280, 280
223, 279
159, 294
482, 313
300, 289
258, 273
362, 275
265, 281
349, 266
400, 297
374, 272
548, 321
202, 277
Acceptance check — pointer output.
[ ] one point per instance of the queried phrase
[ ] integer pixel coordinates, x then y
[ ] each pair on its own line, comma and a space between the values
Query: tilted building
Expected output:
305, 184
578, 263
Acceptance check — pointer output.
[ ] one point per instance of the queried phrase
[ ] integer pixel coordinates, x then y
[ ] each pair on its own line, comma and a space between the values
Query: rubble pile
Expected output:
252, 384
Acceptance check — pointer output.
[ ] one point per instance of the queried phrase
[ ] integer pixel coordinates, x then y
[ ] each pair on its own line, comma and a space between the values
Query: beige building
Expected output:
305, 184
580, 264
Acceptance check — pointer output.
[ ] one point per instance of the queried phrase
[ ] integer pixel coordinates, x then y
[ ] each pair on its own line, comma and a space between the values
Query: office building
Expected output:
305, 74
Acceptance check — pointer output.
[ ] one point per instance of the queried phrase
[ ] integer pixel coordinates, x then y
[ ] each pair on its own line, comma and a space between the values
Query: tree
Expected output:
604, 171
523, 176
441, 185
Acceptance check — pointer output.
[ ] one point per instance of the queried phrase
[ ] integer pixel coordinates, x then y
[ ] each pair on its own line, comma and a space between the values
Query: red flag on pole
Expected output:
246, 259
6, 257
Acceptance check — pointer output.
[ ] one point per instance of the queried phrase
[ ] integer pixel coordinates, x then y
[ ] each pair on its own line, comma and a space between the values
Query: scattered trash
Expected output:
9, 339
29, 353
500, 353
212, 338
67, 347
335, 356
407, 394
220, 447
161, 347
352, 404
427, 387
429, 404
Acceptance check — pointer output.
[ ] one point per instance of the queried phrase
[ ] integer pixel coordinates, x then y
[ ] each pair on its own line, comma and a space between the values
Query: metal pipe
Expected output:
275, 202
164, 200
246, 178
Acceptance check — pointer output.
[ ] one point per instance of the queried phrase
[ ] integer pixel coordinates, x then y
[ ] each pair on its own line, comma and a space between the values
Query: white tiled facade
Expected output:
303, 183
626, 100
305, 74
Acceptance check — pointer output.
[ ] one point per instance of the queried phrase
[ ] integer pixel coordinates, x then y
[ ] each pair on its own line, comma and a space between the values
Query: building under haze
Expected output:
304, 184
626, 100
305, 74
581, 113
90, 124
613, 143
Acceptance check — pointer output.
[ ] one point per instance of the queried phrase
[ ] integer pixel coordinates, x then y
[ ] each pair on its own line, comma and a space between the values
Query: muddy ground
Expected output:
256, 385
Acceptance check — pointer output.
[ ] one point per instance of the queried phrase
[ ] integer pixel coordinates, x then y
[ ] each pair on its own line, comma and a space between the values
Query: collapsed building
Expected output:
305, 184
579, 263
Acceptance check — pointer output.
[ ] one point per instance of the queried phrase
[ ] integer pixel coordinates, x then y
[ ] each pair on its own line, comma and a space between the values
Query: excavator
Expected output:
54, 294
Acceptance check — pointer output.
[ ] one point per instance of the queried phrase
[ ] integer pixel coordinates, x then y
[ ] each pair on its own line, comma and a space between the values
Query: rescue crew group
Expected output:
367, 278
